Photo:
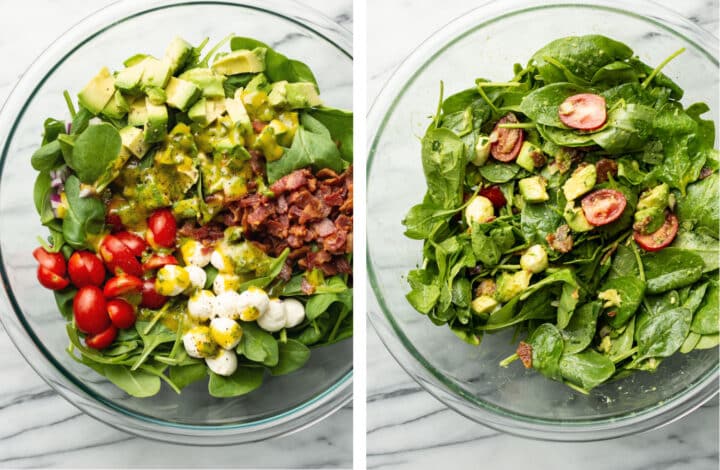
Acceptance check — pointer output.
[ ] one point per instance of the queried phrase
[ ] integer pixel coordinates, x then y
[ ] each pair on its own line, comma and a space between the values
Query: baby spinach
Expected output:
631, 291
85, 215
94, 151
47, 157
243, 381
586, 369
547, 348
340, 124
671, 268
277, 66
443, 163
258, 345
499, 172
705, 321
581, 329
542, 105
292, 356
701, 206
662, 333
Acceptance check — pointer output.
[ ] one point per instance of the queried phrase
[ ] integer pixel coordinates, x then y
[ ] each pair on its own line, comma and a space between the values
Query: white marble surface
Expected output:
407, 427
38, 428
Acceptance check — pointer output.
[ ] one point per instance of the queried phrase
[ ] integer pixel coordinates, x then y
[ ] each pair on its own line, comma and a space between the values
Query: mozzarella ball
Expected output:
197, 277
294, 312
480, 210
254, 303
198, 342
534, 259
195, 254
226, 332
201, 305
225, 282
228, 305
222, 363
172, 280
274, 318
221, 261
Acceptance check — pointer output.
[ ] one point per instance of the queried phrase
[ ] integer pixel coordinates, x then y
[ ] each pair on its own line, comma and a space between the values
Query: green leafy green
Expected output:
94, 151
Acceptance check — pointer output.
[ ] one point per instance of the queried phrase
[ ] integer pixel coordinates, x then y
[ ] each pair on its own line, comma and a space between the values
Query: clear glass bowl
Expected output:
485, 43
28, 312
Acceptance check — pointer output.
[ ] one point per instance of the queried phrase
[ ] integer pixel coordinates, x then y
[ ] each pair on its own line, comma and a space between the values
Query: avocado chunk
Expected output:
293, 95
650, 211
580, 182
530, 157
266, 141
575, 218
133, 140
533, 189
128, 80
206, 111
177, 53
156, 73
236, 110
207, 80
156, 95
482, 150
483, 304
117, 107
137, 115
259, 83
242, 61
98, 92
181, 94
156, 125
510, 285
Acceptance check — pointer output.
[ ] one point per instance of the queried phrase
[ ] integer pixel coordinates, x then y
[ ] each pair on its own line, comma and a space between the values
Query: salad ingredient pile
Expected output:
576, 203
200, 215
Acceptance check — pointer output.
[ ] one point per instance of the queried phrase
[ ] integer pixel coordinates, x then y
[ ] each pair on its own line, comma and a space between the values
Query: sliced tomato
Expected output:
162, 229
121, 285
51, 280
603, 206
90, 310
85, 269
112, 213
121, 313
495, 195
103, 339
54, 262
136, 244
506, 143
150, 296
585, 112
661, 237
157, 261
118, 257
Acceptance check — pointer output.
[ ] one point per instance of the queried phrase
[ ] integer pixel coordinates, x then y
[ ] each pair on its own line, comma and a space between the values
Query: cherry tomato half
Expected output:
150, 297
603, 206
90, 310
162, 229
585, 112
112, 213
124, 284
661, 237
103, 339
121, 313
157, 261
86, 269
136, 244
50, 280
495, 195
118, 257
54, 262
507, 142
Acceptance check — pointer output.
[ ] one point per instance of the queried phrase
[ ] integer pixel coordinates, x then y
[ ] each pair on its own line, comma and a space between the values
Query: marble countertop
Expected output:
407, 427
38, 428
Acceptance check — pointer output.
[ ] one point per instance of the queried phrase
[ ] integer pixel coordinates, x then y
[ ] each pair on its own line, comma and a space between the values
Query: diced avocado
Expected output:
267, 142
156, 73
215, 109
580, 182
207, 80
236, 110
186, 208
510, 285
181, 94
198, 112
530, 157
98, 92
132, 139
137, 116
575, 218
128, 80
650, 212
242, 61
135, 59
117, 107
611, 297
483, 304
157, 120
482, 150
177, 53
259, 83
293, 95
156, 95
533, 189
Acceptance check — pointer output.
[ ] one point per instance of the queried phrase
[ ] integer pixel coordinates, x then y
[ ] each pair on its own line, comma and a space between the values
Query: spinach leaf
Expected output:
157, 335
292, 356
64, 301
662, 333
94, 151
423, 297
565, 137
484, 247
319, 303
621, 345
53, 128
41, 196
706, 320
542, 104
701, 205
243, 381
586, 369
277, 66
421, 220
615, 73
671, 268
547, 348
183, 376
631, 291
623, 264
444, 166
85, 215
499, 172
47, 157
708, 342
258, 345
628, 128
537, 221
340, 125
137, 383
581, 329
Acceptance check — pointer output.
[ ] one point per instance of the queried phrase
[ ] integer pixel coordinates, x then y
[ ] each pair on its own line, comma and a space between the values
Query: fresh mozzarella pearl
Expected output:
225, 332
194, 253
221, 261
274, 318
198, 342
227, 305
172, 280
201, 305
294, 312
254, 303
197, 277
225, 282
535, 259
223, 363
480, 210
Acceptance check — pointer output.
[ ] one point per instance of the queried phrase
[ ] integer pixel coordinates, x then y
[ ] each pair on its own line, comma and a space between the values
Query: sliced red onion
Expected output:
56, 183
69, 127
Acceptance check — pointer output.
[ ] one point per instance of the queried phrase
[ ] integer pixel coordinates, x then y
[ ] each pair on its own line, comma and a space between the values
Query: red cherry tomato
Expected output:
157, 261
585, 112
103, 339
121, 313
603, 206
495, 195
124, 284
112, 213
507, 142
661, 237
161, 229
118, 257
150, 297
54, 262
136, 244
50, 280
85, 269
90, 310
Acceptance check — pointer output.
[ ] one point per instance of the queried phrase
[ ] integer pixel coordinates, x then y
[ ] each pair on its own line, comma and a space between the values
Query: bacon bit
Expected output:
258, 126
291, 182
705, 172
486, 287
257, 163
306, 287
207, 234
605, 168
524, 352
561, 241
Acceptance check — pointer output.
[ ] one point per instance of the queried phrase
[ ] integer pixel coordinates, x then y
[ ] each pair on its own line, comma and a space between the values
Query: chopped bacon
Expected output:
257, 162
324, 228
306, 287
291, 182
335, 243
207, 234
524, 352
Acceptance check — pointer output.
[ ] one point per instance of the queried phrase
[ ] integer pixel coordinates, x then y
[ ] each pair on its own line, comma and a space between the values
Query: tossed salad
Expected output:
200, 215
577, 204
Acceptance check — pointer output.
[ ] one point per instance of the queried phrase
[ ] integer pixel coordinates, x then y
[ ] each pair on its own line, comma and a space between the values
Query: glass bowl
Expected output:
28, 312
485, 43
